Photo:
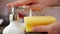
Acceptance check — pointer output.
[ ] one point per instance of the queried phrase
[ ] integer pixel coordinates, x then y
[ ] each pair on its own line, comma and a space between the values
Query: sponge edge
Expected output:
37, 21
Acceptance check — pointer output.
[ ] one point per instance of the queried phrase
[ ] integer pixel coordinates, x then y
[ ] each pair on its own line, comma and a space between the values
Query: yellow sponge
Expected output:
37, 21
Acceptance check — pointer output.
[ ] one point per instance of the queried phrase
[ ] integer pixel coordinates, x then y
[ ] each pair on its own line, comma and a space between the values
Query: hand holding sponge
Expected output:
37, 21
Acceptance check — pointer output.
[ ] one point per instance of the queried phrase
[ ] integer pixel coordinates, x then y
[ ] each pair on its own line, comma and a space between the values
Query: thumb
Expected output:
19, 3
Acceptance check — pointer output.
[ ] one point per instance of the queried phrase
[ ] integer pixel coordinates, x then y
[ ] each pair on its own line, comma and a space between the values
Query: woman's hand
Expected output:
53, 28
34, 4
38, 5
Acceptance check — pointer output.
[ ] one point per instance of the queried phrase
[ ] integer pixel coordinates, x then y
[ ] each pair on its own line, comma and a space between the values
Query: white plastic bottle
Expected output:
13, 28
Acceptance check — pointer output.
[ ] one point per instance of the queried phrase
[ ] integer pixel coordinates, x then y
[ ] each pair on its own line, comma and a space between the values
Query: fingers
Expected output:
38, 6
35, 7
19, 3
41, 29
55, 28
51, 29
42, 4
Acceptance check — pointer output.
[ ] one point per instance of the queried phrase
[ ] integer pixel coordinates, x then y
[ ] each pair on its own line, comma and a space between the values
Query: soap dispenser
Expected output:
14, 27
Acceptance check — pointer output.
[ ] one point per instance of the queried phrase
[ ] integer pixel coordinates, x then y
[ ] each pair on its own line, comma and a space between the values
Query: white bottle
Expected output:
13, 28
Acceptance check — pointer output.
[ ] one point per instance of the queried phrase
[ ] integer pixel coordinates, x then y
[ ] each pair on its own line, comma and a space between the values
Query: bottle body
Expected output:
13, 28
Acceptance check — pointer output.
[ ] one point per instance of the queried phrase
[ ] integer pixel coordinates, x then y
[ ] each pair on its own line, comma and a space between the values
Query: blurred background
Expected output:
4, 13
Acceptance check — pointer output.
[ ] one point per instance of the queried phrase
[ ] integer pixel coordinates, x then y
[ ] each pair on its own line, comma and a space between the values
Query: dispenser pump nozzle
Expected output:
13, 16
